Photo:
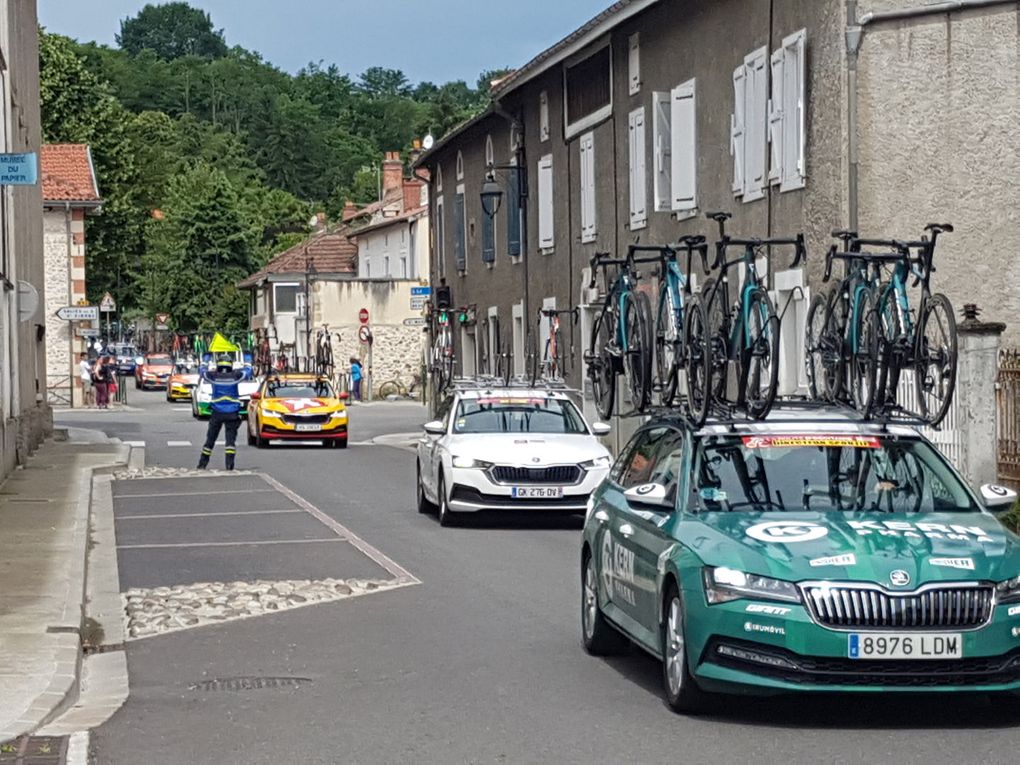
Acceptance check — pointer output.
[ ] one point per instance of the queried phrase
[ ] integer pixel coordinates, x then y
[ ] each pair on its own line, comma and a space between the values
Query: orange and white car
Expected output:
297, 407
182, 382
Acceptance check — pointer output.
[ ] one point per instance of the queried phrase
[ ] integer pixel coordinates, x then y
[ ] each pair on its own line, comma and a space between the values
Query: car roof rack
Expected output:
522, 382
840, 412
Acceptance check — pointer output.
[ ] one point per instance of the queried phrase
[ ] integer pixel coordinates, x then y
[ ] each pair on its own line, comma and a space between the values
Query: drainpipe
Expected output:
854, 36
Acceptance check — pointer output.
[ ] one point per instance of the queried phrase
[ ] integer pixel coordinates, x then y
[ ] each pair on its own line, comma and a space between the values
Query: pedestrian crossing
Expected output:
170, 444
221, 442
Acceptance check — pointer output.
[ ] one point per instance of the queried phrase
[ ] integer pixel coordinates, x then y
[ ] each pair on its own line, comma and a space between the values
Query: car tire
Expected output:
251, 437
424, 505
681, 689
447, 517
340, 443
599, 637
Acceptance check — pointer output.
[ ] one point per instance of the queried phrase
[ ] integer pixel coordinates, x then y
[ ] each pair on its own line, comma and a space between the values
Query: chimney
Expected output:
392, 173
350, 211
412, 194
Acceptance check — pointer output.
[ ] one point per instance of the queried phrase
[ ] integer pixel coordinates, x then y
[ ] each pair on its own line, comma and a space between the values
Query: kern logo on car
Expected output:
786, 532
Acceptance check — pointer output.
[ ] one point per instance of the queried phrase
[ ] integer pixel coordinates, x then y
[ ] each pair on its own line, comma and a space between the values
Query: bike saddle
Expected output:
692, 240
939, 228
844, 234
719, 216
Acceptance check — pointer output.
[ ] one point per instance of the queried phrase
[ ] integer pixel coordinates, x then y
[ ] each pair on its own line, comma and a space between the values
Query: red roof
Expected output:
332, 252
68, 174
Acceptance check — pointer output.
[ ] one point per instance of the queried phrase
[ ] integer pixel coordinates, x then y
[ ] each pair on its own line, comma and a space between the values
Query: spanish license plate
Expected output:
307, 427
536, 492
905, 646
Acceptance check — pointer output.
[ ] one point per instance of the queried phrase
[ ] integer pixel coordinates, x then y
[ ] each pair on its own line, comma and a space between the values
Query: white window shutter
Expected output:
684, 173
638, 176
662, 146
545, 202
794, 110
588, 224
737, 130
776, 105
755, 125
634, 64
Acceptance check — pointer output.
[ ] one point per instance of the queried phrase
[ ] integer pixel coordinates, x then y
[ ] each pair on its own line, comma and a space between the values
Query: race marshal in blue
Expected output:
19, 169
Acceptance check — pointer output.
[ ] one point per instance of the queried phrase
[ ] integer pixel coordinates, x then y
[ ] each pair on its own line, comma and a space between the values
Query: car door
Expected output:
643, 529
433, 448
619, 563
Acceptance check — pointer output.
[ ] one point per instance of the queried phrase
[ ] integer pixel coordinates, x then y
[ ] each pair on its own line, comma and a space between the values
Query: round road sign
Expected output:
364, 334
363, 316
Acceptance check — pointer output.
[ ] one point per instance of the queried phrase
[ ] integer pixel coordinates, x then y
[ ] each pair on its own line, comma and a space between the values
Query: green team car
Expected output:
812, 551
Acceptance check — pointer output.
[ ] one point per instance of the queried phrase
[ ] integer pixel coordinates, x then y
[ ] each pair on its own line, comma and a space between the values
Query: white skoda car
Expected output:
509, 449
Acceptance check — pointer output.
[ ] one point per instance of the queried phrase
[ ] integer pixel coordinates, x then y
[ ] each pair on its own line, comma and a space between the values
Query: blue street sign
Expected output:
421, 291
19, 169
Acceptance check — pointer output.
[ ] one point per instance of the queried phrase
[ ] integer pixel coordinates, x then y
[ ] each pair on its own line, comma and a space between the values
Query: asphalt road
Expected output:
480, 663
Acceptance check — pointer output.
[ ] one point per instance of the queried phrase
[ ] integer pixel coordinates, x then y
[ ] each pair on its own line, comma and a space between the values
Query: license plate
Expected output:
306, 427
537, 492
906, 646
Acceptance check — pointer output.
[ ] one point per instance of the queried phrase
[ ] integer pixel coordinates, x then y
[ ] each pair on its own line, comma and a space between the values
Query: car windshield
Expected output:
300, 389
123, 350
161, 361
512, 414
825, 473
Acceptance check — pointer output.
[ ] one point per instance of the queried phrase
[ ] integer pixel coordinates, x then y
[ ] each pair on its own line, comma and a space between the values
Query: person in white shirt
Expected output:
85, 375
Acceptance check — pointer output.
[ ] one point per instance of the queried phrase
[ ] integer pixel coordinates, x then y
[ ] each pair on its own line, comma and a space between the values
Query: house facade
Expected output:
659, 111
367, 272
25, 416
70, 192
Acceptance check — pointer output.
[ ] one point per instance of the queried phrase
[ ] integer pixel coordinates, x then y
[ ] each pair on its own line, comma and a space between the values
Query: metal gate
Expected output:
1007, 400
947, 437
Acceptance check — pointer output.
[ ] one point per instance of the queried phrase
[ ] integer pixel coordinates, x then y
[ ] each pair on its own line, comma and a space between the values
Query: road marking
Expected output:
394, 568
231, 544
282, 441
178, 443
206, 515
180, 409
134, 443
193, 493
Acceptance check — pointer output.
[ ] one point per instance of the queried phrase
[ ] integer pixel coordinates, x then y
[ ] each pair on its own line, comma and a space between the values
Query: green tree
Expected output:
172, 30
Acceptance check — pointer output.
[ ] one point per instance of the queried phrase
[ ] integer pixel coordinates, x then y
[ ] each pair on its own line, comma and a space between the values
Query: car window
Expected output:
299, 389
642, 459
622, 460
668, 461
527, 413
443, 410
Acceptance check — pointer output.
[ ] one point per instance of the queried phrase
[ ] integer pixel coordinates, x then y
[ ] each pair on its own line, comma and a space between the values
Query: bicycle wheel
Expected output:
639, 349
864, 347
697, 351
760, 367
667, 348
816, 358
600, 364
718, 340
935, 358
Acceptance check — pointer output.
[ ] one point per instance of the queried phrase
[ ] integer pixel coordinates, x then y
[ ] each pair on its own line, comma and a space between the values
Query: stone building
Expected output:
25, 417
69, 192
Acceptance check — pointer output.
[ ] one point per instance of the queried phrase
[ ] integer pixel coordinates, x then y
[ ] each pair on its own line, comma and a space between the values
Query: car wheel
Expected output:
599, 637
251, 437
424, 506
447, 517
682, 692
340, 443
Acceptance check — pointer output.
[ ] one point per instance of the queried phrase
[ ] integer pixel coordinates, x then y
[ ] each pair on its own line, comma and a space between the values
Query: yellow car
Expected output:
297, 407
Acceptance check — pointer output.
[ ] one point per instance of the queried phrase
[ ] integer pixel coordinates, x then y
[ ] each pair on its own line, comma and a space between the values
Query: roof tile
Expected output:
68, 174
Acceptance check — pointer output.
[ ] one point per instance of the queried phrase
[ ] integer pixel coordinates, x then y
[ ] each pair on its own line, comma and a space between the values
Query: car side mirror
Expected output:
255, 396
435, 428
601, 429
997, 498
652, 494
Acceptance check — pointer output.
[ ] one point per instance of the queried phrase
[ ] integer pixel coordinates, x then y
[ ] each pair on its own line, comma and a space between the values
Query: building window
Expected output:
588, 212
493, 341
490, 154
662, 150
412, 252
386, 267
518, 338
468, 351
684, 148
543, 116
440, 236
634, 64
285, 298
638, 181
439, 178
748, 126
588, 91
545, 203
459, 231
787, 109
460, 166
513, 212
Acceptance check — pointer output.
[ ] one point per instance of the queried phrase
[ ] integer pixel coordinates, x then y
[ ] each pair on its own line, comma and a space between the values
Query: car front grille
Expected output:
310, 419
861, 607
555, 474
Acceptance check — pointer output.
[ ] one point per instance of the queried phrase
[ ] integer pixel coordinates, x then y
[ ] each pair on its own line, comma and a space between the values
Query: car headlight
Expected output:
339, 415
725, 584
470, 462
1008, 591
599, 462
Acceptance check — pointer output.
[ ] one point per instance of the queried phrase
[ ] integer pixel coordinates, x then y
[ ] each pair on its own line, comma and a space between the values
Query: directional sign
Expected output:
88, 332
421, 291
415, 321
79, 313
19, 169
108, 304
418, 302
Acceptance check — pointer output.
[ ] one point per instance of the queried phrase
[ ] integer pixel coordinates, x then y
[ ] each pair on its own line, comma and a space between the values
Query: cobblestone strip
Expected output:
160, 610
154, 471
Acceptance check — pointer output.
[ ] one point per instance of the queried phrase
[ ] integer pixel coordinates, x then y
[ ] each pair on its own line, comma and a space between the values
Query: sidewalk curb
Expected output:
61, 692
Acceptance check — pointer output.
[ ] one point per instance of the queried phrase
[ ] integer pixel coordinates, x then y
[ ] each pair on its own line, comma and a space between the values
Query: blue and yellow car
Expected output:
297, 407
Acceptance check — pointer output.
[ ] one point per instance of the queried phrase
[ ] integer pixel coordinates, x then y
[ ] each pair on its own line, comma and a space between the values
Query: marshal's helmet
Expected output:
224, 364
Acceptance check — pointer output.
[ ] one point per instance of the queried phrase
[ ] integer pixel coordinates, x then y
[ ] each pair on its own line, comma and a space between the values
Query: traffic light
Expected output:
444, 297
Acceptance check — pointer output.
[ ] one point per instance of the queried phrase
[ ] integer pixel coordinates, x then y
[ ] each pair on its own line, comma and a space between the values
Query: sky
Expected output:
429, 40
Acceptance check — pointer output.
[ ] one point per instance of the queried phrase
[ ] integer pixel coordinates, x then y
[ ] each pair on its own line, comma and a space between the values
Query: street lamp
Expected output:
492, 194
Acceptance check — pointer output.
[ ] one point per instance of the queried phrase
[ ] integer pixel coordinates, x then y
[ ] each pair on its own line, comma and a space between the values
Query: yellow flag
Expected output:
220, 344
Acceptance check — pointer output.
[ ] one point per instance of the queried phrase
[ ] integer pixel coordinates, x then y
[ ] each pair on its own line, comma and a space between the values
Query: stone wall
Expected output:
395, 353
65, 285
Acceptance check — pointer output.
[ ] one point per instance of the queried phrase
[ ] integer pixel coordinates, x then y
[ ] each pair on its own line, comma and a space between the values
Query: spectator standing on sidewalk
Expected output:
356, 375
85, 375
101, 380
